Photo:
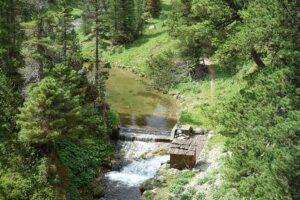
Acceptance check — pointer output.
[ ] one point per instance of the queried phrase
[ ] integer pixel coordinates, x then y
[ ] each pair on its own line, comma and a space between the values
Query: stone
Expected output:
98, 191
152, 27
206, 131
115, 165
174, 171
160, 179
155, 191
199, 131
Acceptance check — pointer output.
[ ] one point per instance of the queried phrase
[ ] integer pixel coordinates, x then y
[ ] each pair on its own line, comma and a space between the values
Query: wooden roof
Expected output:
187, 147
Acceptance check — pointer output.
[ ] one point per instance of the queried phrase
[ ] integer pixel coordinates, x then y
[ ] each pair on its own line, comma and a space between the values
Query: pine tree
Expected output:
8, 104
47, 113
153, 7
10, 39
139, 17
126, 19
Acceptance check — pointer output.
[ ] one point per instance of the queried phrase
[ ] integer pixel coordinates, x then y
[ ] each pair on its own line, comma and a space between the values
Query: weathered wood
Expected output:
183, 152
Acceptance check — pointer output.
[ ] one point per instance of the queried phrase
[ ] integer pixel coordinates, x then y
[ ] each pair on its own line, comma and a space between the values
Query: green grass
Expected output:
217, 139
174, 185
206, 179
201, 102
151, 43
135, 54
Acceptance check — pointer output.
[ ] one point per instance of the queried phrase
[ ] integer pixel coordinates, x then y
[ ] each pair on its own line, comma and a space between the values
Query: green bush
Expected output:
200, 196
181, 180
83, 162
206, 179
188, 195
8, 103
113, 121
148, 195
164, 72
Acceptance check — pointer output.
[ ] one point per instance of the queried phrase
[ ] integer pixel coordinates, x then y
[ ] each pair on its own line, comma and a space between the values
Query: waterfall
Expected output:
145, 135
137, 149
140, 165
138, 171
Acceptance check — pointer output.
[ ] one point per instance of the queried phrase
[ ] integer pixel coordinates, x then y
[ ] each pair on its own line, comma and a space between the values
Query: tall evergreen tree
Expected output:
153, 7
10, 39
126, 20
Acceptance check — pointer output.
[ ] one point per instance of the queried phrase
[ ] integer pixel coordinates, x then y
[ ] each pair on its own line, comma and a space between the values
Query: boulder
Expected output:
199, 131
155, 191
152, 27
159, 180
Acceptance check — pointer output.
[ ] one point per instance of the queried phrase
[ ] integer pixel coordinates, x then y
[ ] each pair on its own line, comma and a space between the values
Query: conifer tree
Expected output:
10, 39
139, 17
153, 7
56, 109
48, 113
126, 19
8, 104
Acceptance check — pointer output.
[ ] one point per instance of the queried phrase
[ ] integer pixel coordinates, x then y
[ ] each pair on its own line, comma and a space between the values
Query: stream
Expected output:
139, 106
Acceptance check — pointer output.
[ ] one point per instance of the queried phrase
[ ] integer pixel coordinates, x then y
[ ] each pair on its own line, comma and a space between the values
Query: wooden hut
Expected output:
184, 152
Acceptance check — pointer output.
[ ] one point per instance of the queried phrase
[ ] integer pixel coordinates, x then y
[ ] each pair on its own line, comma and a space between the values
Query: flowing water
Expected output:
138, 106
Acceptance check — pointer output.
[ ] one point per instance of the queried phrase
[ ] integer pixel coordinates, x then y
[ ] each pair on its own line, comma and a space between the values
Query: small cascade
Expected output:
137, 149
140, 164
138, 171
145, 135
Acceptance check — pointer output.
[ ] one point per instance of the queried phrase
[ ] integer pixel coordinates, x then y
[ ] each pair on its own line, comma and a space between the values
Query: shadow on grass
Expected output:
166, 7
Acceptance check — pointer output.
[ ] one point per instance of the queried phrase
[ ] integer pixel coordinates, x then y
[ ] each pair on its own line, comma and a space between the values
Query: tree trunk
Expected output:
40, 49
97, 47
255, 56
65, 36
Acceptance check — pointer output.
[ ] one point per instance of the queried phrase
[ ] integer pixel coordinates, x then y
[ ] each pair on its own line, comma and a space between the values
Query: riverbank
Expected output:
200, 183
199, 100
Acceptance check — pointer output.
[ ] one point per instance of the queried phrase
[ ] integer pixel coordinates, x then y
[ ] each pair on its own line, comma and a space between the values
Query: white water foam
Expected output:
134, 150
138, 171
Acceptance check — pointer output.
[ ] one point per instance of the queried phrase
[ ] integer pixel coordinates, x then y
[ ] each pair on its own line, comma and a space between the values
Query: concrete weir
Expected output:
145, 135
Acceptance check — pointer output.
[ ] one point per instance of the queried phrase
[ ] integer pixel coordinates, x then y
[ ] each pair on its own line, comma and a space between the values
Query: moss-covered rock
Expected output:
147, 185
98, 191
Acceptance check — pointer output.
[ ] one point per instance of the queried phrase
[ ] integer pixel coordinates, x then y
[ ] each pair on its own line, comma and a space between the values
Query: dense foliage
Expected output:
61, 105
263, 123
259, 41
126, 20
164, 71
54, 119
83, 161
153, 7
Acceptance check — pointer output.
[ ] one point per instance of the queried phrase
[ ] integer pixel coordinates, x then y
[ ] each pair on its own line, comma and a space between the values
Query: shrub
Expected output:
164, 72
83, 162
